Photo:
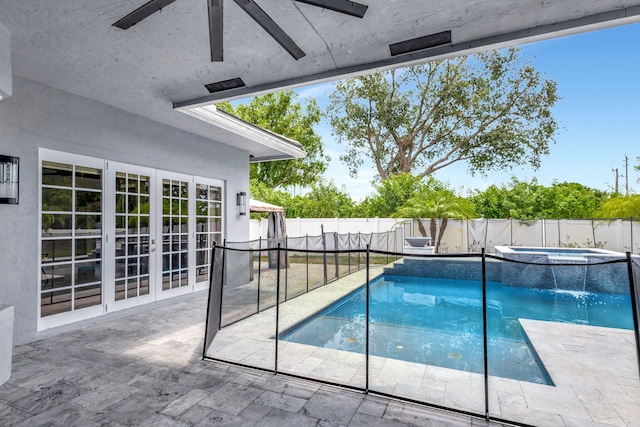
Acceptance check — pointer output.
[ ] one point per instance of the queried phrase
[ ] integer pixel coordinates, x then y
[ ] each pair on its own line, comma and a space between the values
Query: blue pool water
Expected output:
439, 322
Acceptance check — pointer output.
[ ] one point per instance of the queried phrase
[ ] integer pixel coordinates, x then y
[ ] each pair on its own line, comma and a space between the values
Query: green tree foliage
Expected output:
620, 207
324, 200
491, 110
391, 193
436, 201
530, 201
283, 114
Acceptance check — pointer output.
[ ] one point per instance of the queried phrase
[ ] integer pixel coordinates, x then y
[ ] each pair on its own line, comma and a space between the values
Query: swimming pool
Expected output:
437, 321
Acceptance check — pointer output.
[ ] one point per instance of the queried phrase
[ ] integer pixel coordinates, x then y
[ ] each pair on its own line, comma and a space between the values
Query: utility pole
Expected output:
616, 187
626, 174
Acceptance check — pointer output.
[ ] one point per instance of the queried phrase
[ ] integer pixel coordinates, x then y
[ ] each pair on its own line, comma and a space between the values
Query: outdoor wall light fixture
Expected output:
9, 180
241, 201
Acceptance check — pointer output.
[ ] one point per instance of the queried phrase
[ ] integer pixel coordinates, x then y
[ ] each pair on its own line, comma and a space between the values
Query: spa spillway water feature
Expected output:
576, 275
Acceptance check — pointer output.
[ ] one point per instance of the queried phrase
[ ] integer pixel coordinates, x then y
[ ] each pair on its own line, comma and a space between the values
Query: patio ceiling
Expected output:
160, 66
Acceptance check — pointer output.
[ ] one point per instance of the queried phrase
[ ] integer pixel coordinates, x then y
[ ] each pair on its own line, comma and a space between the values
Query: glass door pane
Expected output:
71, 238
175, 234
208, 226
133, 235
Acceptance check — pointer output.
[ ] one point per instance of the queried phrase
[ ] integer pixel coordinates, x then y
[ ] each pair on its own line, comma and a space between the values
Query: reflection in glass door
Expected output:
175, 234
133, 236
208, 226
71, 238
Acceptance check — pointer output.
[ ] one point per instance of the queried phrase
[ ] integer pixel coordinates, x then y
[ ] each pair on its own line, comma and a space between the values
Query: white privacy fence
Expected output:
471, 235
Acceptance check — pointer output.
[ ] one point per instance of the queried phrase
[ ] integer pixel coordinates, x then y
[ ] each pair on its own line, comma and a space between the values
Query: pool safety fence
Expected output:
445, 331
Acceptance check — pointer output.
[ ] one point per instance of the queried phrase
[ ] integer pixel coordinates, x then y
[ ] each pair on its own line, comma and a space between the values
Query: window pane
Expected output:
202, 192
144, 245
184, 190
201, 257
216, 209
120, 268
121, 182
202, 208
175, 189
144, 185
215, 225
121, 203
132, 288
56, 225
166, 187
56, 200
88, 201
144, 205
215, 193
88, 178
55, 276
133, 184
88, 225
144, 285
57, 174
132, 225
144, 225
184, 209
132, 205
88, 272
201, 241
132, 248
88, 248
121, 224
120, 285
88, 296
144, 265
55, 302
56, 250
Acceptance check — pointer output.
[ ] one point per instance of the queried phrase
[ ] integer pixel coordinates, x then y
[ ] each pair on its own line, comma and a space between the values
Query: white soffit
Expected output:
289, 148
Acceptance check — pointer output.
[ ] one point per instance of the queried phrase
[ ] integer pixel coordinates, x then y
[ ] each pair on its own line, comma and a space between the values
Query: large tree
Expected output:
283, 114
492, 110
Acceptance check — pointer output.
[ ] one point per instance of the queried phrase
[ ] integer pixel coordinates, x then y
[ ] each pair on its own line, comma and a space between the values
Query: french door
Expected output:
131, 272
116, 235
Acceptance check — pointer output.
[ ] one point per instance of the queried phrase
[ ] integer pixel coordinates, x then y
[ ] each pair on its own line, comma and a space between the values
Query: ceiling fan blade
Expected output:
141, 13
215, 30
269, 25
342, 6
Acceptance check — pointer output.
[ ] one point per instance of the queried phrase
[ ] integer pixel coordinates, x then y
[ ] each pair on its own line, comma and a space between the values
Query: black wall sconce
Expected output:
241, 201
9, 176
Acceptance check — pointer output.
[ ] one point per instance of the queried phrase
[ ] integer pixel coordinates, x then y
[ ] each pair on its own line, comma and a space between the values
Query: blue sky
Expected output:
598, 76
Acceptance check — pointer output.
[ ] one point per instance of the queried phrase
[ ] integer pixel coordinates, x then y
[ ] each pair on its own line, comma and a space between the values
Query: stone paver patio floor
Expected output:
145, 369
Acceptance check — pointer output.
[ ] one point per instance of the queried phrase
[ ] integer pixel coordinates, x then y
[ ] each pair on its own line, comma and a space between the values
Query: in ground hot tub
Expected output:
568, 269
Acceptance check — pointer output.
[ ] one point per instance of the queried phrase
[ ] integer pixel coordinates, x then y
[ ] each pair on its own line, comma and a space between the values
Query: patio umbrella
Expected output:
276, 229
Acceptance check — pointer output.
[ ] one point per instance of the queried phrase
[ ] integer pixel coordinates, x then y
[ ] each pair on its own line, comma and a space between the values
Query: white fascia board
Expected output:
288, 147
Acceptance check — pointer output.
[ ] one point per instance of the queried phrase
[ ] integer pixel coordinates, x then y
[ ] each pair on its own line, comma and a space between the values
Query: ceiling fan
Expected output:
254, 11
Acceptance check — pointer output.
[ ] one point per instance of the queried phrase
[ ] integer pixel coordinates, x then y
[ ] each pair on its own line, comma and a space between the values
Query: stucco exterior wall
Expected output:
39, 116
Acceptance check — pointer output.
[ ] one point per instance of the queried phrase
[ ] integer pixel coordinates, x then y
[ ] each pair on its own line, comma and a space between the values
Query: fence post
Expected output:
484, 334
634, 307
324, 252
224, 263
631, 234
277, 306
366, 387
206, 323
259, 270
337, 255
349, 247
307, 249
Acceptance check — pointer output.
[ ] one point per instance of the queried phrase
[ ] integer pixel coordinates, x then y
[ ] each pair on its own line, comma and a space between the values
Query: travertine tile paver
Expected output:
145, 369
